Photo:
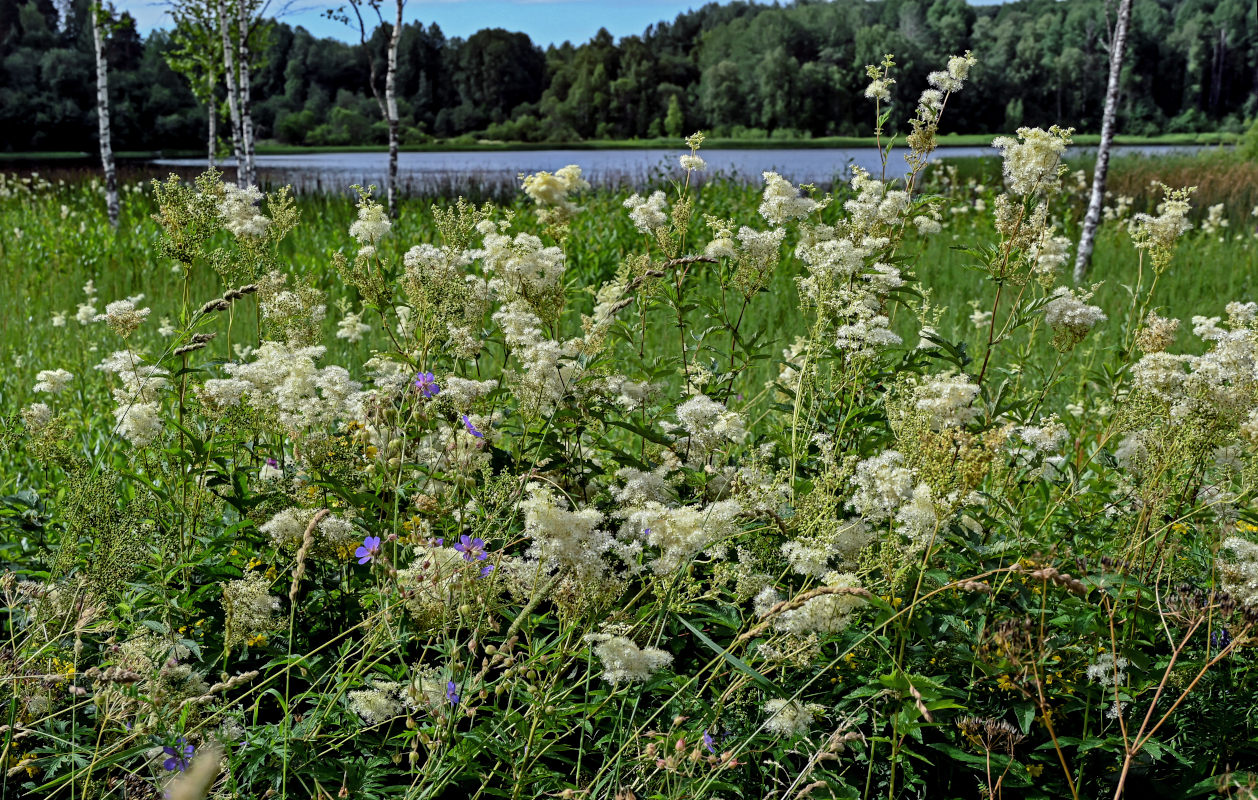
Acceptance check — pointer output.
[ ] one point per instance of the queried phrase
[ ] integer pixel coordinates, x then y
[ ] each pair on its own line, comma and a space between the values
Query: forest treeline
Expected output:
735, 69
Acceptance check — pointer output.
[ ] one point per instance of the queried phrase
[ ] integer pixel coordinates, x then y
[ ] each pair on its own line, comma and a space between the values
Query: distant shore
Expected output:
464, 144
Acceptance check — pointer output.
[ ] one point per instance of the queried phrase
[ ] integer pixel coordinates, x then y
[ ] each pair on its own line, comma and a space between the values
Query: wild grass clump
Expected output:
538, 500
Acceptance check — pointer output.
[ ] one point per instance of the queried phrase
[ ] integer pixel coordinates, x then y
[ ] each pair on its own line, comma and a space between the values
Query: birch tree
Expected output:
100, 18
1118, 43
233, 92
244, 21
388, 99
195, 56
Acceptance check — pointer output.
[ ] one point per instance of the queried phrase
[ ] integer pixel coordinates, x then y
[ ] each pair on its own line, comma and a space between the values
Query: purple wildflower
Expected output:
426, 385
485, 570
178, 756
272, 463
708, 741
467, 423
452, 693
368, 550
472, 549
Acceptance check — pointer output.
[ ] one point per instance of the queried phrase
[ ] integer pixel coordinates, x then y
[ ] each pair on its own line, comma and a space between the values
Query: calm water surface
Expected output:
494, 172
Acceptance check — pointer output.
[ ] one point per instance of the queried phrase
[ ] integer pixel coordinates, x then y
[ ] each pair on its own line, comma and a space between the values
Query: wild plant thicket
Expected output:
539, 538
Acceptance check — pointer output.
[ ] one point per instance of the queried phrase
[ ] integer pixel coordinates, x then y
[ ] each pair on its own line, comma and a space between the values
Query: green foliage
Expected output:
771, 503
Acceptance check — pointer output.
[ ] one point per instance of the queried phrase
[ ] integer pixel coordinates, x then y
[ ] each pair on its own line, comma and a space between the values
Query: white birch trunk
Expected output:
391, 115
211, 118
233, 91
1087, 240
246, 116
102, 117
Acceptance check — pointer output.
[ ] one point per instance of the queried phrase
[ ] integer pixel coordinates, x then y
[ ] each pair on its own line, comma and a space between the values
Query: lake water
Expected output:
495, 172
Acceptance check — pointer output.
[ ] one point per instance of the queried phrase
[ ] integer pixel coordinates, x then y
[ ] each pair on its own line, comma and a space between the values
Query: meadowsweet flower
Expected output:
166, 330
426, 385
351, 327
249, 609
789, 717
379, 704
824, 614
139, 423
1158, 234
693, 163
59, 319
708, 424
883, 485
647, 214
239, 213
679, 534
53, 381
782, 202
368, 550
372, 223
36, 416
1032, 161
550, 191
564, 539
1108, 670
947, 399
1070, 317
927, 226
123, 316
179, 756
1238, 569
623, 661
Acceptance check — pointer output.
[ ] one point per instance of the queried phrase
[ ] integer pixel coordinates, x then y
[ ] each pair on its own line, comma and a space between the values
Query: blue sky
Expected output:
545, 21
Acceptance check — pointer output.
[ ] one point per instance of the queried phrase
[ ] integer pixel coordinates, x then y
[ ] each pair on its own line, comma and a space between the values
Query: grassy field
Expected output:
720, 492
58, 241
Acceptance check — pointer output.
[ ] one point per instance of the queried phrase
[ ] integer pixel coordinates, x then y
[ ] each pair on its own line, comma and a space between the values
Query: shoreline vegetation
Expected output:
466, 144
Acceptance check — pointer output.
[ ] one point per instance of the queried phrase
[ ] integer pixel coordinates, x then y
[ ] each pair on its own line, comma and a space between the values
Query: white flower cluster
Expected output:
334, 536
783, 202
372, 223
681, 533
287, 381
1070, 317
1107, 670
790, 717
1033, 163
239, 211
826, 613
947, 399
708, 425
693, 163
563, 539
551, 190
123, 316
1223, 380
1158, 234
647, 214
550, 368
623, 661
249, 608
379, 704
53, 381
351, 327
521, 266
1238, 570
886, 489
